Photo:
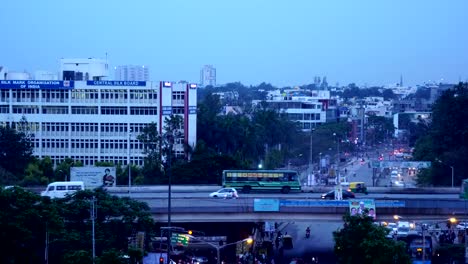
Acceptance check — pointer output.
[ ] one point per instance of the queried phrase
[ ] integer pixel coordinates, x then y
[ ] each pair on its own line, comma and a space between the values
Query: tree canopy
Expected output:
361, 241
15, 154
446, 142
28, 220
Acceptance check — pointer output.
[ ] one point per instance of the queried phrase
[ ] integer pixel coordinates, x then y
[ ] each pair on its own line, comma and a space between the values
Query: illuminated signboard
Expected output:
36, 84
115, 83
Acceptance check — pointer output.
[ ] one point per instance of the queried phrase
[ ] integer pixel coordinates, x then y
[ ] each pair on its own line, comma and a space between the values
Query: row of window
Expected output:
91, 160
116, 129
63, 95
85, 110
303, 116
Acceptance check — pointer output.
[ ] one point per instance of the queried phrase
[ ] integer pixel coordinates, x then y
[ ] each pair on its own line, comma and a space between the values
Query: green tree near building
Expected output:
446, 142
15, 153
33, 225
361, 241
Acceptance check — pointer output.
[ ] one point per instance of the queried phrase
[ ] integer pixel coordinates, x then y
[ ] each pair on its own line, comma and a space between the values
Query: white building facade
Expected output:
308, 108
208, 76
95, 120
132, 73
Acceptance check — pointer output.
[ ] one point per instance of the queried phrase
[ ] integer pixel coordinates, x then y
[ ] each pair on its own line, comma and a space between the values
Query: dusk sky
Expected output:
284, 43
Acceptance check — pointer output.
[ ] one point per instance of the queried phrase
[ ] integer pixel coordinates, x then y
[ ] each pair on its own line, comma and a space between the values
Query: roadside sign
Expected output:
179, 239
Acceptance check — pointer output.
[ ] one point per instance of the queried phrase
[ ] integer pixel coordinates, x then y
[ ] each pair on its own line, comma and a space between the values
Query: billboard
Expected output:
94, 177
358, 207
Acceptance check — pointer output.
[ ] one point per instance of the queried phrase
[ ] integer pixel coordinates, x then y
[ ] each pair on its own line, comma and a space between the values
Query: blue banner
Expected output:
389, 203
337, 203
116, 83
266, 205
36, 84
315, 203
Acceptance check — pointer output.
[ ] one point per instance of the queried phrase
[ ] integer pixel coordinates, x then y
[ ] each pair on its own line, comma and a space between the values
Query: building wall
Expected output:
132, 73
95, 121
83, 69
208, 75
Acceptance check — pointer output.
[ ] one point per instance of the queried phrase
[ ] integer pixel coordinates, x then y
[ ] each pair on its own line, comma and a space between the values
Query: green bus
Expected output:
262, 180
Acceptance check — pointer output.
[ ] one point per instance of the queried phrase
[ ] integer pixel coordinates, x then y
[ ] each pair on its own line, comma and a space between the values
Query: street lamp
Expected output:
218, 248
451, 167
170, 138
93, 218
311, 159
129, 166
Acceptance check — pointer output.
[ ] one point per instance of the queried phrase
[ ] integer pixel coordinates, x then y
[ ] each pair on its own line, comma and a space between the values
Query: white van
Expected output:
60, 189
403, 228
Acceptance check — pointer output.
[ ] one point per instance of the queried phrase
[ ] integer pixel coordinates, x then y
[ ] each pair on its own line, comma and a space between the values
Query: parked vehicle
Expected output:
287, 242
403, 228
62, 189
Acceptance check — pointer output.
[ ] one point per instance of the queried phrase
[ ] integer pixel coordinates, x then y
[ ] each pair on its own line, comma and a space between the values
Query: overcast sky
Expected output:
280, 42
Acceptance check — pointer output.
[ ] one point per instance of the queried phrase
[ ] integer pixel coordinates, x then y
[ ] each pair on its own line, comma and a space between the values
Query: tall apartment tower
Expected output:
208, 76
132, 73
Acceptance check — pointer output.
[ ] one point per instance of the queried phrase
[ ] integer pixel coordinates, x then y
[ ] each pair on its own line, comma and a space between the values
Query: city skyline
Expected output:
285, 44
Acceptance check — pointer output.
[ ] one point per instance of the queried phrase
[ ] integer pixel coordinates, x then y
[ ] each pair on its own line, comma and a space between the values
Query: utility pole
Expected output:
311, 160
129, 163
169, 195
93, 218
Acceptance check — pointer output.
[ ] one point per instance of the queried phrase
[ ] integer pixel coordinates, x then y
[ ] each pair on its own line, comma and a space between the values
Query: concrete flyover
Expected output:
243, 209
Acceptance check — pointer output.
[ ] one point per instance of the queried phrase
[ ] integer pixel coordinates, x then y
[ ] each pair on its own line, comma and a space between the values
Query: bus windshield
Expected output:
262, 180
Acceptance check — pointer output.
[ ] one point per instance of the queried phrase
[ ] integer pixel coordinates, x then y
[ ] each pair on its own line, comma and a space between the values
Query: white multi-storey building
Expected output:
208, 76
131, 73
94, 121
308, 108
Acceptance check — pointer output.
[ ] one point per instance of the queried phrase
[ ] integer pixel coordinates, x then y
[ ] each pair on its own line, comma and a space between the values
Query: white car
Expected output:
462, 225
225, 193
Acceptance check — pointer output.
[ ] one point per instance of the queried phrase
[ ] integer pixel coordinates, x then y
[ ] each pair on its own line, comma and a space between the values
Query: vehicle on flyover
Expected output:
262, 180
331, 195
357, 187
225, 193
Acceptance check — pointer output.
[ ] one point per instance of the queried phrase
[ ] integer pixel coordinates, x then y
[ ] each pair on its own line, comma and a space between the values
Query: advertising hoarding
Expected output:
94, 177
359, 207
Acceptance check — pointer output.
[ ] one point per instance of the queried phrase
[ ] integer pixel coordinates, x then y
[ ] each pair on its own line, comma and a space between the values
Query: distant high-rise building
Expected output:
131, 73
208, 75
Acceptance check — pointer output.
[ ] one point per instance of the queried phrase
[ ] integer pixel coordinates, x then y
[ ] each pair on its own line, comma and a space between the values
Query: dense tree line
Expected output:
35, 228
446, 142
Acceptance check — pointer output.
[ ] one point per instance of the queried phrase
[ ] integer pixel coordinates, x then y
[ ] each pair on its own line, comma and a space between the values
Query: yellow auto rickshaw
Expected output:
357, 187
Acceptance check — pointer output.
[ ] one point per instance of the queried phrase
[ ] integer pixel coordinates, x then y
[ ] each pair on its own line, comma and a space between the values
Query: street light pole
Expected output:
129, 166
452, 174
311, 160
169, 194
93, 218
